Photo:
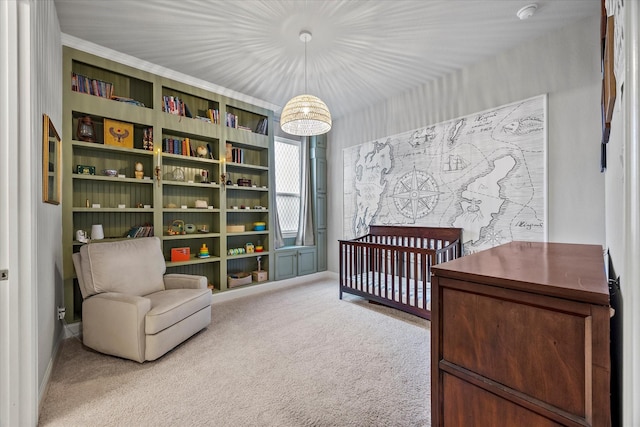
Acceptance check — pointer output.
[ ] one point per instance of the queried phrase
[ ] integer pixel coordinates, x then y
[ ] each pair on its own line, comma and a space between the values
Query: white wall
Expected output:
564, 64
46, 98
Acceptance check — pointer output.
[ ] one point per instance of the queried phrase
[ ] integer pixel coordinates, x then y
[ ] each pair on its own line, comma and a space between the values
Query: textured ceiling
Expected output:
362, 51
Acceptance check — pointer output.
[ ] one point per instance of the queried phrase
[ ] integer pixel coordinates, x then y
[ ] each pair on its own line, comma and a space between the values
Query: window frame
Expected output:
298, 143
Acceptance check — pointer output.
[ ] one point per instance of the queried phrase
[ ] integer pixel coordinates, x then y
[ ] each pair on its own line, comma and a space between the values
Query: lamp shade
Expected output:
305, 115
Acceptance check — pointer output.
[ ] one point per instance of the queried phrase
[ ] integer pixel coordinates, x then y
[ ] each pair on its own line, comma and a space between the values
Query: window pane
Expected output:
287, 172
288, 211
287, 158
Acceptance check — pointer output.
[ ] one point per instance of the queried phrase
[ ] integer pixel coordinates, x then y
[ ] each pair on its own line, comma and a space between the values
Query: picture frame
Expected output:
51, 162
608, 78
119, 134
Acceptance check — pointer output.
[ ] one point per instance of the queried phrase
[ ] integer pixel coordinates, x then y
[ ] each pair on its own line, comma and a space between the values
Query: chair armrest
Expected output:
113, 323
184, 281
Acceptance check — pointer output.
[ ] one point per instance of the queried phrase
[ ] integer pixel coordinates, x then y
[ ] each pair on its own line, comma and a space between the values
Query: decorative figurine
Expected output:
139, 170
202, 151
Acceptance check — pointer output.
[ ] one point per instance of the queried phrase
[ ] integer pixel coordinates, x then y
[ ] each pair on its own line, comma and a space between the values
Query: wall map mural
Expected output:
485, 173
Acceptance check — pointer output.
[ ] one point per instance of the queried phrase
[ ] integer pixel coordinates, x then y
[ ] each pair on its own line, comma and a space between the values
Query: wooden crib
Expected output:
392, 265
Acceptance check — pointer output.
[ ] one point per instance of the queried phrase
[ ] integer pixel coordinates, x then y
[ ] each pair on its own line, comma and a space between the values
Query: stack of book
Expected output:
127, 100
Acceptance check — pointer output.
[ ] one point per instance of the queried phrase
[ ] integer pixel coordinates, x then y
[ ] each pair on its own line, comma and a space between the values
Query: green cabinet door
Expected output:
286, 264
322, 249
307, 260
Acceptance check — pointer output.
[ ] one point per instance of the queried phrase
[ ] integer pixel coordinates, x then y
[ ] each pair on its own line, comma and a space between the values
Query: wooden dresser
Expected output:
520, 337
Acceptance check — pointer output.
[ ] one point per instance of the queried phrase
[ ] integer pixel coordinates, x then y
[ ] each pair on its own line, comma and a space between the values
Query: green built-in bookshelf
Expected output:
181, 186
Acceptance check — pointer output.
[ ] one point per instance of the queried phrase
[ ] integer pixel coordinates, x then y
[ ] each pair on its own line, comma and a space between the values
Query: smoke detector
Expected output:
527, 12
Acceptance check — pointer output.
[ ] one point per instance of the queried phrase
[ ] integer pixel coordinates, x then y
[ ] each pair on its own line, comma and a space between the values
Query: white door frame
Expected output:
631, 270
18, 331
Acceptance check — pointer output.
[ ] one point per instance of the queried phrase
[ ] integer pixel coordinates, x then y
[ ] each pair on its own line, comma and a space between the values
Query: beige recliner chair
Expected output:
131, 309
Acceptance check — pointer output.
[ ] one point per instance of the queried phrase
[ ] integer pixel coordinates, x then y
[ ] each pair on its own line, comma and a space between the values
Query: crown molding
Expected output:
132, 61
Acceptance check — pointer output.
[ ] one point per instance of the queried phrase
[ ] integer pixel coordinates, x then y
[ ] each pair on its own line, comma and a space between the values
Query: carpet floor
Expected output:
297, 356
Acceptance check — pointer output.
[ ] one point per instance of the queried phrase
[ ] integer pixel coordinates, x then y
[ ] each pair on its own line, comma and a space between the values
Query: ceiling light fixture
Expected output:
527, 12
305, 115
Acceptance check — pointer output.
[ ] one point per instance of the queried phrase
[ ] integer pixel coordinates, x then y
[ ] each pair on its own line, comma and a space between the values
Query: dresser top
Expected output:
571, 271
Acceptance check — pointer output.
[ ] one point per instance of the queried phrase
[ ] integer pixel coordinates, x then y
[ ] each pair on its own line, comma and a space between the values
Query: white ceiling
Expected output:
362, 51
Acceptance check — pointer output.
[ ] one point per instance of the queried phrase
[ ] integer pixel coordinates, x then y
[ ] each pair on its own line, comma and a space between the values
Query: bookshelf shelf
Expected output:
98, 147
251, 255
191, 236
193, 260
185, 177
118, 210
112, 179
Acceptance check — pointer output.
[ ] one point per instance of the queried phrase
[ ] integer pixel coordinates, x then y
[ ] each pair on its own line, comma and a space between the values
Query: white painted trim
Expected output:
9, 337
271, 286
27, 224
631, 226
113, 55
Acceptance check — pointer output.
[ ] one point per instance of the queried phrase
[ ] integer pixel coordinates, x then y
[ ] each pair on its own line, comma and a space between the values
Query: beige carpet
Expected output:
298, 356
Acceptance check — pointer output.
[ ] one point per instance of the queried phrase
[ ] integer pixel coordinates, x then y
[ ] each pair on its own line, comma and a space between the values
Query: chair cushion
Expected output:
132, 266
173, 305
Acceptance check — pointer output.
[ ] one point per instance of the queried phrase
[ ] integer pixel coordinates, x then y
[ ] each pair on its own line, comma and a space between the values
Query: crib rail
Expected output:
395, 269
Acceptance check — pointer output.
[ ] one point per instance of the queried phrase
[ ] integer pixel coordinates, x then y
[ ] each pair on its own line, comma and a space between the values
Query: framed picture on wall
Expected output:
608, 76
51, 162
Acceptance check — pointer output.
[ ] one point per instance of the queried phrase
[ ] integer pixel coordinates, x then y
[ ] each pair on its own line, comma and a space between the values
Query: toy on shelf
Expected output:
259, 275
204, 251
176, 227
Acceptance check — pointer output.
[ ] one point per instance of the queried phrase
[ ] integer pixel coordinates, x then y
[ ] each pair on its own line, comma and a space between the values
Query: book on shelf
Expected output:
83, 84
140, 231
147, 139
262, 127
237, 155
232, 120
213, 115
174, 105
229, 150
182, 147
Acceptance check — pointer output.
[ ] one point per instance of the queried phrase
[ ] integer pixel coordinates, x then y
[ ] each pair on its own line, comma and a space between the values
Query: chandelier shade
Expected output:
305, 115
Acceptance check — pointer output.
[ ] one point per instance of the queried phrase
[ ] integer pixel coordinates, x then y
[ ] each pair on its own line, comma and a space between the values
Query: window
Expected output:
287, 171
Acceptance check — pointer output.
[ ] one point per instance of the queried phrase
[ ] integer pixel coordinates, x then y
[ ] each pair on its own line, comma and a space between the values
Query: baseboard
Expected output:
270, 286
44, 385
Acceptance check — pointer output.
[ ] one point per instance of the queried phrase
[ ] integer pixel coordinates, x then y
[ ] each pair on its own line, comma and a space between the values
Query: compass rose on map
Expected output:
415, 194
